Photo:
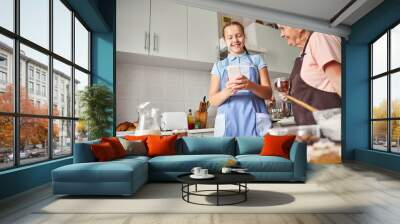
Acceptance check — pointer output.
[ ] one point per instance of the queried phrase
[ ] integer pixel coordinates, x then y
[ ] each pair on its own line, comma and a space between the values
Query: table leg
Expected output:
217, 194
188, 190
245, 193
196, 188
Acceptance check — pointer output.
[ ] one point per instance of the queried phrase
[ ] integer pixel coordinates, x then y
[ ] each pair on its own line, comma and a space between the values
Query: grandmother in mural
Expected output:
316, 74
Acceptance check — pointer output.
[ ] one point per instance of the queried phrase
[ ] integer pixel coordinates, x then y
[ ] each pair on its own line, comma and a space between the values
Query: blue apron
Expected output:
244, 113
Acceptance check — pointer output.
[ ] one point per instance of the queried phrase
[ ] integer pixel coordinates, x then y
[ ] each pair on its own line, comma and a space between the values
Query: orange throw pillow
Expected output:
161, 145
277, 145
103, 152
116, 145
136, 138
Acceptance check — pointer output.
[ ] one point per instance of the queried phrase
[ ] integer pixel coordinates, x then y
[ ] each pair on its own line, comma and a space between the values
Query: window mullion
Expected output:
389, 101
50, 81
73, 81
16, 70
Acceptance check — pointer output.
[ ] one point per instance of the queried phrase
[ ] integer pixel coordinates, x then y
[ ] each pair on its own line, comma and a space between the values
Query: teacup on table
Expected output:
226, 170
196, 170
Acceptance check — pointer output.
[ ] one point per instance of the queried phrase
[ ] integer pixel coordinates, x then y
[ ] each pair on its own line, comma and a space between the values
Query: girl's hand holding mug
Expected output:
243, 83
240, 82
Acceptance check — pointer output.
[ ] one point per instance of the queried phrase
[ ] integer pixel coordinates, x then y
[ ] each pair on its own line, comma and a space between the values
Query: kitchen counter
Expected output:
190, 132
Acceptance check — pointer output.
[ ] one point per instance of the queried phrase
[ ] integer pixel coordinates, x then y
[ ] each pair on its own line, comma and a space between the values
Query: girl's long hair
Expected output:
235, 23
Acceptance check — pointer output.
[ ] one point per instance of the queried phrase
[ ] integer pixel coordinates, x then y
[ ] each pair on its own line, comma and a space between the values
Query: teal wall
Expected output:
103, 53
356, 86
24, 178
99, 15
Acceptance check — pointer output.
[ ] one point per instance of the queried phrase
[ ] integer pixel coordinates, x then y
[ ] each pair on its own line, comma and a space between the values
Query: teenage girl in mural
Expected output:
240, 99
316, 75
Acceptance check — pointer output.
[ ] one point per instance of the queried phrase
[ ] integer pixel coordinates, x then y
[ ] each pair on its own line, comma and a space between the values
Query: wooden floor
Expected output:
377, 188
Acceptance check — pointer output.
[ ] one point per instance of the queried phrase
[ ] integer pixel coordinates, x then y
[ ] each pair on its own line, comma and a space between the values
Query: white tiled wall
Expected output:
168, 89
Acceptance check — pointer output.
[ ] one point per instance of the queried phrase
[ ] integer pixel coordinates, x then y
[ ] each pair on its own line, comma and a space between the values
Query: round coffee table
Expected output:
238, 179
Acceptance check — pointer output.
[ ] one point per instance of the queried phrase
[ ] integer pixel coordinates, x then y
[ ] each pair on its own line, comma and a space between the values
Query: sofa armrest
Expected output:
83, 152
298, 155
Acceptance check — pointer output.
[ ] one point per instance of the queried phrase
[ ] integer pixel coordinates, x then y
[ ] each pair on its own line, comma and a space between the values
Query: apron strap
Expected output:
258, 72
303, 52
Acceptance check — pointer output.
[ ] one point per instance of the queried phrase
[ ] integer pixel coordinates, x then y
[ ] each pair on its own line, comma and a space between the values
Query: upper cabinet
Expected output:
166, 29
168, 26
202, 35
133, 26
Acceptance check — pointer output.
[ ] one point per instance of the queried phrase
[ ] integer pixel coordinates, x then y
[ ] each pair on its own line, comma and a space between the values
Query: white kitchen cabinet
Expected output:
168, 27
133, 23
202, 35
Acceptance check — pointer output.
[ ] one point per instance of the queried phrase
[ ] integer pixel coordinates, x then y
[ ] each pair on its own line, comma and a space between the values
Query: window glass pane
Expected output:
62, 89
395, 94
35, 21
7, 14
62, 138
81, 45
379, 135
379, 56
395, 47
379, 97
36, 101
6, 142
81, 81
33, 139
395, 136
62, 29
6, 74
81, 131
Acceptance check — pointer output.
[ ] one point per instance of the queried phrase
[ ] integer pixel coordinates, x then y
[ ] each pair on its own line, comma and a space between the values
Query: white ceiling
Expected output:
319, 9
310, 14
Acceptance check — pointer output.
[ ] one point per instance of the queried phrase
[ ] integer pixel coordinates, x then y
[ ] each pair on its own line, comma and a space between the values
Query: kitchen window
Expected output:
384, 92
50, 45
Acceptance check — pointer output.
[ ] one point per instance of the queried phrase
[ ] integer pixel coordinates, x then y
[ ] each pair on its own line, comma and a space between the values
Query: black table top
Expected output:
220, 178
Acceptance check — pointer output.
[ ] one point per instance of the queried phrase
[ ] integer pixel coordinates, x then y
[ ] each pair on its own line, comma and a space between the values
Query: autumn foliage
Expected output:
380, 127
33, 131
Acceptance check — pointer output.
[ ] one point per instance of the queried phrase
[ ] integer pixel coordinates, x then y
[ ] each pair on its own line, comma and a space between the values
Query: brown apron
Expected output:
315, 97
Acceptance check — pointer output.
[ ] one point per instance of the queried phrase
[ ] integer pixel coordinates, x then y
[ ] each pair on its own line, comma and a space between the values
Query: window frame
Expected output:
388, 74
15, 72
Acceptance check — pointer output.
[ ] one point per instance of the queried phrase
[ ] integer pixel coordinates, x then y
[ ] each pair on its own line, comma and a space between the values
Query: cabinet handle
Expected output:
145, 40
158, 48
154, 42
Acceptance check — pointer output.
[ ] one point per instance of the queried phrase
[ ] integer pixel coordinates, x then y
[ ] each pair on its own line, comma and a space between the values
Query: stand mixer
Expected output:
149, 120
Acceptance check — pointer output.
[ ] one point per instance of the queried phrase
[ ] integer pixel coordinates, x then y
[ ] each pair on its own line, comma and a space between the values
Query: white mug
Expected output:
203, 172
226, 170
196, 170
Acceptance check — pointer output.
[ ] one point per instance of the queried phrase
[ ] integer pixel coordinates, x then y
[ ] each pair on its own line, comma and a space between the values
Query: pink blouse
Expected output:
321, 49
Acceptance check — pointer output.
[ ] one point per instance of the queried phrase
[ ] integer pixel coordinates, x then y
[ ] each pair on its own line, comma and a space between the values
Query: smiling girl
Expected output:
241, 107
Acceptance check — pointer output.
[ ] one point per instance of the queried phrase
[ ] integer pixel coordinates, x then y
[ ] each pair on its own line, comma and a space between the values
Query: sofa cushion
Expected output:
185, 163
103, 152
134, 147
207, 145
83, 152
116, 145
277, 145
257, 163
112, 171
249, 145
161, 145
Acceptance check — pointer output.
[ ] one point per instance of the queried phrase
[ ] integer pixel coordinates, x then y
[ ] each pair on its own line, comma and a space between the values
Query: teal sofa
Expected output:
125, 176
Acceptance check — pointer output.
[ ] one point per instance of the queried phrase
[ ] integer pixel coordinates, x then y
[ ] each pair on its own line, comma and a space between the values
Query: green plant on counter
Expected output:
96, 103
